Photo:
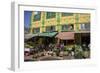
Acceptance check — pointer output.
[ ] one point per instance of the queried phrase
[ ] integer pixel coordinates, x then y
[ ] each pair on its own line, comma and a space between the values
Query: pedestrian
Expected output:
62, 47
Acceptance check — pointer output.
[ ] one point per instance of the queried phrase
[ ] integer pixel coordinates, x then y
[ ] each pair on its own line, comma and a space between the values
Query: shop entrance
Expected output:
82, 38
85, 38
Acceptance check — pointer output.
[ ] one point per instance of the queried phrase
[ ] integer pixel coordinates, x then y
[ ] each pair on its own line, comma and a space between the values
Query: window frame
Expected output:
67, 27
67, 14
37, 30
37, 17
50, 29
84, 28
50, 15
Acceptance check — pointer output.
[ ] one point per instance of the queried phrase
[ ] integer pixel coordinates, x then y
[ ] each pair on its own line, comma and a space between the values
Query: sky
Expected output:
27, 18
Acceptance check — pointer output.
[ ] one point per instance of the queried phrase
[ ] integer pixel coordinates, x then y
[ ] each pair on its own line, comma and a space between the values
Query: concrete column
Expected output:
58, 41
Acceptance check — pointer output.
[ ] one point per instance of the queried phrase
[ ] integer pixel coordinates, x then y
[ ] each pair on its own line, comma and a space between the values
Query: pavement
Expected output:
48, 57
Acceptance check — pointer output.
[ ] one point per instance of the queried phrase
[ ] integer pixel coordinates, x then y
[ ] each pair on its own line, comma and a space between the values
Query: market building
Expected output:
64, 27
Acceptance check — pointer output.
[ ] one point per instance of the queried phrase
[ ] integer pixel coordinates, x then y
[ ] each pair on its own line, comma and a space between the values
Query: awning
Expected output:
65, 35
47, 34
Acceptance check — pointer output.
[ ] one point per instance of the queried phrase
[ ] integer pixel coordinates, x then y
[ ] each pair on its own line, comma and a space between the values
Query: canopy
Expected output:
65, 35
45, 34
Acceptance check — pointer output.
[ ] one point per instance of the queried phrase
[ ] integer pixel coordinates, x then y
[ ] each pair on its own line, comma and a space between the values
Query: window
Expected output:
37, 16
36, 30
85, 26
67, 27
64, 27
50, 28
50, 15
67, 14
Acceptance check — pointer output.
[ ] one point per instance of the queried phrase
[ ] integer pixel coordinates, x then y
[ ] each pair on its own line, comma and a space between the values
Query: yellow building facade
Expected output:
58, 21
